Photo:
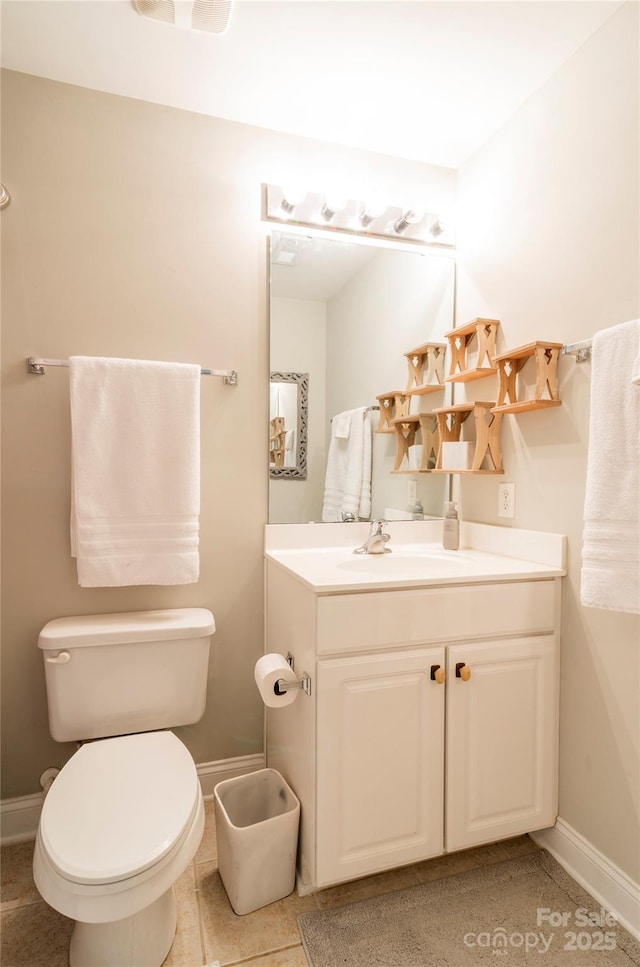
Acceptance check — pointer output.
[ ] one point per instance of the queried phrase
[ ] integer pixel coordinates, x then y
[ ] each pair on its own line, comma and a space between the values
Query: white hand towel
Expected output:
364, 511
345, 485
611, 538
355, 461
335, 475
135, 471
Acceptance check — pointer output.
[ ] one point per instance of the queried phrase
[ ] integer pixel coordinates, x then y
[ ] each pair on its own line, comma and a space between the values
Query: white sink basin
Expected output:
405, 562
331, 569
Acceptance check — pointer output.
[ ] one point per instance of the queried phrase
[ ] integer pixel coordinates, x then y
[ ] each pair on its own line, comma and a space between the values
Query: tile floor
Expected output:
34, 935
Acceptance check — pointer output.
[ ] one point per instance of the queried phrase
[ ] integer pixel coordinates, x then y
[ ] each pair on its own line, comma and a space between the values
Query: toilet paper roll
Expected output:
268, 671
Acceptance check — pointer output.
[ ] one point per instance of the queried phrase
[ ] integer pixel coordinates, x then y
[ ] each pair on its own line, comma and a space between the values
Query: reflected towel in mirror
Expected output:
347, 488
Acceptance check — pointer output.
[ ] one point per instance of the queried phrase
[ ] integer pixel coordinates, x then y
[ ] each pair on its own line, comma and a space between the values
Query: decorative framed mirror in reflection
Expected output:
288, 407
346, 313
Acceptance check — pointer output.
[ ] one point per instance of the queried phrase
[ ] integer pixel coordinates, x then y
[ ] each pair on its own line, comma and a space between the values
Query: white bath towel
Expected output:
347, 489
611, 539
135, 471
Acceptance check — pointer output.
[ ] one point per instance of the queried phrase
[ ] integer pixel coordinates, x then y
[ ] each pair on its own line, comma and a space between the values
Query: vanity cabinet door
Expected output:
380, 762
502, 724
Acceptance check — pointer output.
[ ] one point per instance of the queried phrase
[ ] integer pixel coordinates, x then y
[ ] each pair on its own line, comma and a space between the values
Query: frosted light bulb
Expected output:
332, 205
292, 196
409, 217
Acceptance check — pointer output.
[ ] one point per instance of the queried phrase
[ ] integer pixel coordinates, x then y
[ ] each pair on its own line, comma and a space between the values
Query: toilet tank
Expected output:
114, 674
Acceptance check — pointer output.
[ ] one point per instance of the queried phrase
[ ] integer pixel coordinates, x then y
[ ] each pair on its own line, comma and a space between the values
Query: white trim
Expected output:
594, 872
211, 773
19, 817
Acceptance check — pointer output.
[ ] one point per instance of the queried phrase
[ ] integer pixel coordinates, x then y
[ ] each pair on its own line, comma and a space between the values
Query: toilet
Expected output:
125, 816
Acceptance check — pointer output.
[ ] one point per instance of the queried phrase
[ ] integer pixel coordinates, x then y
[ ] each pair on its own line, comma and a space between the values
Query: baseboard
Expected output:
616, 891
211, 773
19, 817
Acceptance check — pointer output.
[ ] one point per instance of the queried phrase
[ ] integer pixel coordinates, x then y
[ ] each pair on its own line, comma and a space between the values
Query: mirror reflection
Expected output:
349, 314
288, 425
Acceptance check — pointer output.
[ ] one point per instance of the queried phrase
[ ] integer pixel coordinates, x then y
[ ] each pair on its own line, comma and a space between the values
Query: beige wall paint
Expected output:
548, 244
134, 231
298, 343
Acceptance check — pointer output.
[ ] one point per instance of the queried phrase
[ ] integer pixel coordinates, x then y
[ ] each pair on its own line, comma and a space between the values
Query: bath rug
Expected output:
507, 913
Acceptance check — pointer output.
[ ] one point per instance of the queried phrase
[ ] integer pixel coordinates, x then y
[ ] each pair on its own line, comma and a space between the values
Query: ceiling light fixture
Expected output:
409, 217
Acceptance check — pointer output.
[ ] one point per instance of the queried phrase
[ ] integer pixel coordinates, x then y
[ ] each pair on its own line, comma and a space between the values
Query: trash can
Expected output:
257, 818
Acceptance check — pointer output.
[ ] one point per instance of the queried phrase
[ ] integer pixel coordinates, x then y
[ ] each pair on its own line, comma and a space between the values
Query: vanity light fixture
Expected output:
409, 217
367, 214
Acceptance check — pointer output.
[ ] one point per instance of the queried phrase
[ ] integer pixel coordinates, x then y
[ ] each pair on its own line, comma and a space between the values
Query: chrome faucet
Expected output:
376, 540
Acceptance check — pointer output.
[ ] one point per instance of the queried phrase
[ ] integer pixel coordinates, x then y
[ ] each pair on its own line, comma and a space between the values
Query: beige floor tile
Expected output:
293, 957
35, 936
16, 875
186, 950
208, 849
370, 886
232, 939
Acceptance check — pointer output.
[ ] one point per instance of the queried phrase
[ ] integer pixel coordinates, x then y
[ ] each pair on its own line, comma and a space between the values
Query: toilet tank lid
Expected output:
130, 626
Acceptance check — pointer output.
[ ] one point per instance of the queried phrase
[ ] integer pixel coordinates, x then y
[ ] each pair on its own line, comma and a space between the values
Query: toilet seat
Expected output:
119, 807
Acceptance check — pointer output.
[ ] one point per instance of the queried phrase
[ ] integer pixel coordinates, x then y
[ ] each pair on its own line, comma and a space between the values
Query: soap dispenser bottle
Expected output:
451, 527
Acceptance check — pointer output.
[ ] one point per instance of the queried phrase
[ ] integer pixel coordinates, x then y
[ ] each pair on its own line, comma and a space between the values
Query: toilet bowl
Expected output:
124, 817
121, 822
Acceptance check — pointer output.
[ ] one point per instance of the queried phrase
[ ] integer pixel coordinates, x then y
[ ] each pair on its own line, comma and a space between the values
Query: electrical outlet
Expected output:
506, 500
412, 492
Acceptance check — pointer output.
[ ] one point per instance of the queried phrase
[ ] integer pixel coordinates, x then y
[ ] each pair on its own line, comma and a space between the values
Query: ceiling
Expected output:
428, 80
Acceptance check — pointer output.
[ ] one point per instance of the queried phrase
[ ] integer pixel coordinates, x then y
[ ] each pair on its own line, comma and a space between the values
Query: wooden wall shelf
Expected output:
460, 340
393, 405
406, 429
277, 437
510, 363
487, 434
426, 367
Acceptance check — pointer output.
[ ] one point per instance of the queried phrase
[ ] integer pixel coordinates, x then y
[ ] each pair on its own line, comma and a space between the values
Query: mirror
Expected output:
344, 312
288, 425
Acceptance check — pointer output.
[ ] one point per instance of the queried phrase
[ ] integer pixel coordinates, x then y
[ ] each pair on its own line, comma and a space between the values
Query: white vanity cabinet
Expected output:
391, 763
380, 762
502, 723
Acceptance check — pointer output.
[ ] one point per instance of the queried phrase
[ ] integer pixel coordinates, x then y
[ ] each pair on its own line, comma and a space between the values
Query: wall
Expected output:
134, 231
298, 344
548, 244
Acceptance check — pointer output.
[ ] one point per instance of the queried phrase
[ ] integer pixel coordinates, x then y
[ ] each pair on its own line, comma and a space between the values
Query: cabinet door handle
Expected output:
463, 671
438, 674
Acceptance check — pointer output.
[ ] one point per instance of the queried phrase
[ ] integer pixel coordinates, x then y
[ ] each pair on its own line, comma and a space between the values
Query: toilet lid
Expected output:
119, 806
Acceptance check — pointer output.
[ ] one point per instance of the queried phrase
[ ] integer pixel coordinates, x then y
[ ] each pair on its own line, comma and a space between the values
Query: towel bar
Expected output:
581, 350
36, 366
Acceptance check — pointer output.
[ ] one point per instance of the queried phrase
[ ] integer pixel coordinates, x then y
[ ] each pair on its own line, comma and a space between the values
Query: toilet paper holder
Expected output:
281, 687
